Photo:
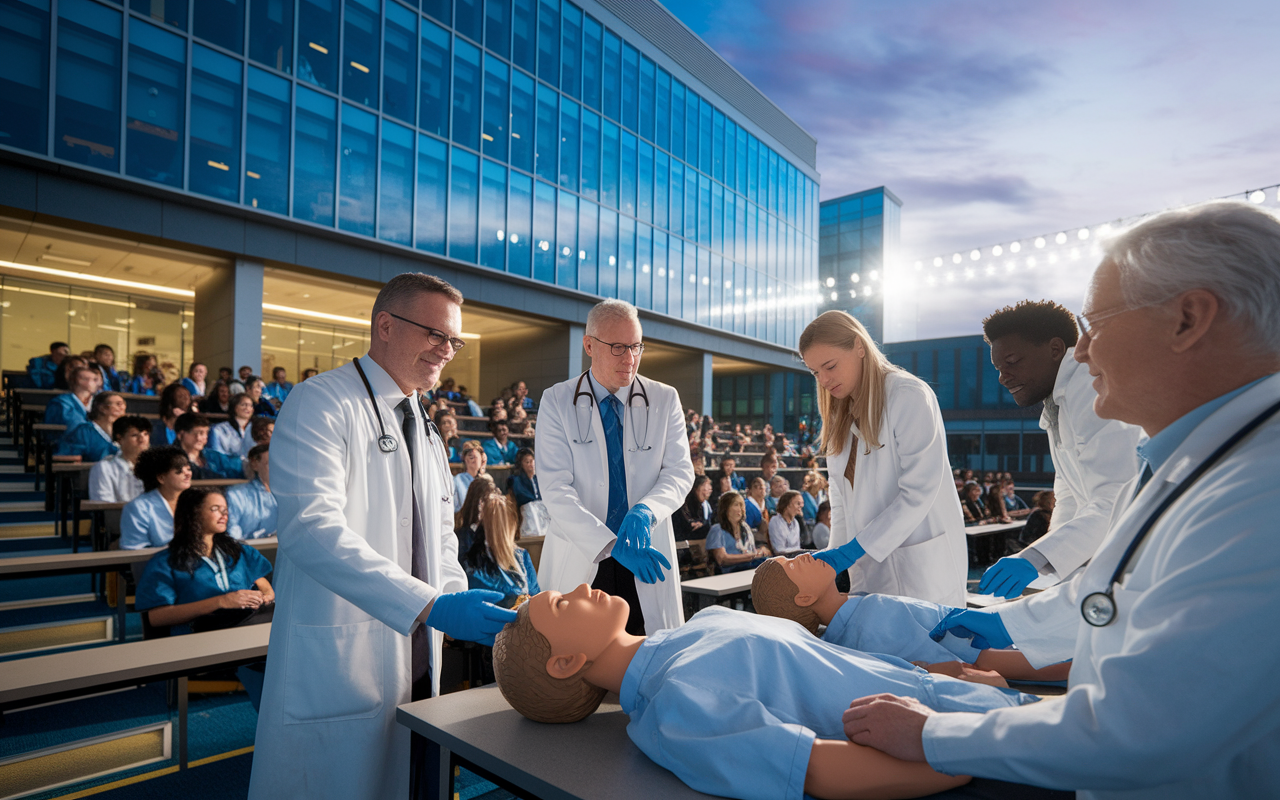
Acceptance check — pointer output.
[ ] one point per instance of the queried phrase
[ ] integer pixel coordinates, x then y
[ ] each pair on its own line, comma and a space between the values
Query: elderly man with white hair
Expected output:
1171, 693
613, 463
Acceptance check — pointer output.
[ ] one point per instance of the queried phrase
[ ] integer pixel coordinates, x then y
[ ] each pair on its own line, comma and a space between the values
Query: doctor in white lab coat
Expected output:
1172, 695
896, 522
1032, 347
349, 607
574, 471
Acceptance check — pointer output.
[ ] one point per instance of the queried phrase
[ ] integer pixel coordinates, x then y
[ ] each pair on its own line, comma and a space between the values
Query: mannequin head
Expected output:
788, 588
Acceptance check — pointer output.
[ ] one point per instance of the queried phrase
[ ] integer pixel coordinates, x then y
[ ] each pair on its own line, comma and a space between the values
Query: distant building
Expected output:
858, 235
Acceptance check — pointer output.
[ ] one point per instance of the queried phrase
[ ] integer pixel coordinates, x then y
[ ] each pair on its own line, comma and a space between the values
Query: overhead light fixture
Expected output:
75, 262
358, 66
82, 276
219, 165
320, 48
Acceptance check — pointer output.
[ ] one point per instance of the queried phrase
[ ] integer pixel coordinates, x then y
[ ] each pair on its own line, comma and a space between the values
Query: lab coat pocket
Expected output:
332, 672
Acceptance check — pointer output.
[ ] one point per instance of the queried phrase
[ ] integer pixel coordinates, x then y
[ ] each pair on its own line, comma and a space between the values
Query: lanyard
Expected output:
220, 575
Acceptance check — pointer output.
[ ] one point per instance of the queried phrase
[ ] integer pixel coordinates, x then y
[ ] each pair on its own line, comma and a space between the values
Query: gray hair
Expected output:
1228, 247
408, 285
608, 310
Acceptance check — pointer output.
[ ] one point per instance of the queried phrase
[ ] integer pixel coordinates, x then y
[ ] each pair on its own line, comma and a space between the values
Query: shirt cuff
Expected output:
1037, 560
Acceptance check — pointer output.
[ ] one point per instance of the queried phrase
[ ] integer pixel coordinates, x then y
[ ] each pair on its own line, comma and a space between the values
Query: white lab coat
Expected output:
340, 659
903, 508
1177, 697
1093, 459
575, 487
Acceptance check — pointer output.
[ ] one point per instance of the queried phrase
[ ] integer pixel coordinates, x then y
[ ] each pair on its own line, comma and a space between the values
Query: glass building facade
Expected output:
522, 136
859, 234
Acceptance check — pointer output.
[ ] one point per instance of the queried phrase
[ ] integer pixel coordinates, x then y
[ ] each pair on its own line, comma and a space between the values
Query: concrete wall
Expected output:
228, 317
539, 356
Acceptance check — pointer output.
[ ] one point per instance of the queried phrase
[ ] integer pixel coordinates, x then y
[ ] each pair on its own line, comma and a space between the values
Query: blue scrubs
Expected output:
64, 409
461, 482
146, 522
882, 623
732, 702
218, 465
810, 511
138, 386
251, 510
719, 537
524, 488
161, 585
43, 372
277, 391
498, 454
86, 440
483, 573
754, 517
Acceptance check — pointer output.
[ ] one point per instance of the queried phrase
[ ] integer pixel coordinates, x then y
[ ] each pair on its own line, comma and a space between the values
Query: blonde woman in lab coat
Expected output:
896, 523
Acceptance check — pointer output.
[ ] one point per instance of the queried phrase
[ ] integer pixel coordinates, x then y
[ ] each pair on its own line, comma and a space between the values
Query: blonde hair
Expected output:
865, 407
479, 489
498, 517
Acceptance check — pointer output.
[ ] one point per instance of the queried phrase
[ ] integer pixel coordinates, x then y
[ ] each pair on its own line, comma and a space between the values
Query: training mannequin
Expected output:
735, 704
803, 589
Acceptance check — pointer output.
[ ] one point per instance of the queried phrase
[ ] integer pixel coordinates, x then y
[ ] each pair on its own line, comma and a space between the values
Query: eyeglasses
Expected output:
434, 337
1090, 320
618, 349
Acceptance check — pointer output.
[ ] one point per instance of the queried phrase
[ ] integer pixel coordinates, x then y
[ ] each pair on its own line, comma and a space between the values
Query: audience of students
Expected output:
112, 479
493, 560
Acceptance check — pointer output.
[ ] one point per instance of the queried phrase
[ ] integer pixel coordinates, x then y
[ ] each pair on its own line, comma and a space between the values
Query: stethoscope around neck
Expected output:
386, 442
582, 413
1099, 608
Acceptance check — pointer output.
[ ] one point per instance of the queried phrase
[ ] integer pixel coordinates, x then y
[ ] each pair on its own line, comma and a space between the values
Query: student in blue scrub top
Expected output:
474, 459
104, 361
147, 520
229, 435
43, 370
72, 409
279, 388
262, 407
175, 400
731, 544
194, 382
251, 506
206, 464
494, 561
448, 425
500, 449
92, 439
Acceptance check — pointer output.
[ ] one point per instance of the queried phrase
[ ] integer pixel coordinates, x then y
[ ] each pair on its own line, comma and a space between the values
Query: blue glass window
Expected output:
466, 95
740, 184
590, 155
704, 285
677, 118
440, 9
24, 73
646, 97
662, 110
692, 104
266, 152
567, 241
399, 72
157, 99
524, 26
592, 44
496, 115
705, 136
677, 197
659, 302
395, 185
675, 276
612, 80
717, 218
571, 51
717, 146
739, 304
318, 42
689, 304
544, 232
468, 19
588, 245
520, 224
730, 160
661, 185
716, 293
433, 112
627, 175
691, 204
609, 167
549, 41
170, 12
433, 191
740, 229
493, 215
214, 165
522, 121
608, 286
360, 38
220, 22
359, 171
644, 267
87, 116
569, 136
497, 26
464, 192
271, 33
630, 87
644, 199
315, 143
626, 258
753, 168
545, 165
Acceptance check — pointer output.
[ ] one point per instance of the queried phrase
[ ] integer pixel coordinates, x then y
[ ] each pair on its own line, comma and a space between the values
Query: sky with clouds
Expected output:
997, 120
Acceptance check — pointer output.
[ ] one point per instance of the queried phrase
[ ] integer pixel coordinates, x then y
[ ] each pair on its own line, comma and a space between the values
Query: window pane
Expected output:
608, 284
468, 18
360, 70
399, 72
592, 43
496, 114
548, 134
677, 118
524, 53
24, 73
266, 159
646, 97
493, 215
464, 185
318, 42
627, 179
433, 188
395, 187
433, 113
644, 269
440, 9
571, 51
157, 99
220, 22
271, 33
662, 110
549, 41
717, 146
691, 128
717, 217
626, 258
753, 166
730, 162
677, 197
660, 272
544, 231
522, 121
567, 241
497, 26
315, 144
590, 155
588, 245
644, 200
689, 303
466, 95
569, 136
169, 12
520, 224
705, 137
612, 82
716, 293
661, 178
87, 117
630, 86
691, 204
215, 124
741, 182
359, 171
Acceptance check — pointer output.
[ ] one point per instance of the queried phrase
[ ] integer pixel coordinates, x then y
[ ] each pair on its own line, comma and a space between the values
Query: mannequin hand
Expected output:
470, 615
842, 557
1008, 577
636, 525
984, 627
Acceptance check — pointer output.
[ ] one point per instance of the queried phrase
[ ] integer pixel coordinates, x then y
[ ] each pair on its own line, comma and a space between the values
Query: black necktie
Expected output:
420, 639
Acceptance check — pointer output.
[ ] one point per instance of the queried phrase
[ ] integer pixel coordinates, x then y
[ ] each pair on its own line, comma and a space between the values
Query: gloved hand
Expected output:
1008, 577
632, 549
470, 615
843, 556
985, 628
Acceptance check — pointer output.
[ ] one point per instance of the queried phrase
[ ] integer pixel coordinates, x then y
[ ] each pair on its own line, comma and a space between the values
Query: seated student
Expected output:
279, 388
729, 466
261, 405
112, 480
466, 521
251, 506
104, 361
735, 704
756, 490
500, 449
494, 561
778, 486
143, 381
474, 459
218, 401
229, 435
175, 401
784, 527
62, 380
72, 409
206, 464
813, 491
447, 424
261, 429
975, 511
518, 421
993, 502
309, 372
523, 487
1038, 521
1014, 505
822, 527
147, 520
194, 382
43, 370
693, 519
731, 544
91, 439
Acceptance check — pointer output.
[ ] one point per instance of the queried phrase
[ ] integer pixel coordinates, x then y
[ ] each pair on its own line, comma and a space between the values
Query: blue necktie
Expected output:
611, 418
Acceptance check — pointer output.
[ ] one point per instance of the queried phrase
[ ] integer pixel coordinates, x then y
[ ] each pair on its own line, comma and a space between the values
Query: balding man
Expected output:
1171, 693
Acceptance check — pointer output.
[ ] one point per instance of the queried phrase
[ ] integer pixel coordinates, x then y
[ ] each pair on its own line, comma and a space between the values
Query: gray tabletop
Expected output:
588, 760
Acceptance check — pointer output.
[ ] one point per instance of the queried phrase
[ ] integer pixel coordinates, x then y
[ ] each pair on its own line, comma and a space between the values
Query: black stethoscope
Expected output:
386, 442
1099, 608
637, 390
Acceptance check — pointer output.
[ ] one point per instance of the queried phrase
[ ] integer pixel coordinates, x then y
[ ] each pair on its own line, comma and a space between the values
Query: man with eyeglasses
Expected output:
367, 575
613, 465
1032, 347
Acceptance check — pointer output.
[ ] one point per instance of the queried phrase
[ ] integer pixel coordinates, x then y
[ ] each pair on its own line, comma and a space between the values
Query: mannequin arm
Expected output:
842, 770
1013, 665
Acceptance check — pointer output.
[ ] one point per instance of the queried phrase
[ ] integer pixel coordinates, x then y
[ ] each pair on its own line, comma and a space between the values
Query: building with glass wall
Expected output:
859, 234
540, 154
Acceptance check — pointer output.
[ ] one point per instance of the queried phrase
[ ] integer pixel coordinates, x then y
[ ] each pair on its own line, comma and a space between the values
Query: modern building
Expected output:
858, 236
231, 182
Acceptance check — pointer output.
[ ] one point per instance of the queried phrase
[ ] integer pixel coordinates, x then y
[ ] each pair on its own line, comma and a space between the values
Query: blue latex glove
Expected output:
632, 549
470, 615
985, 628
1008, 577
843, 556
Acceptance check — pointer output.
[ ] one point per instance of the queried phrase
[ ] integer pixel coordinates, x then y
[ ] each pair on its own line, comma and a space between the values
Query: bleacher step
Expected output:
57, 635
64, 764
41, 602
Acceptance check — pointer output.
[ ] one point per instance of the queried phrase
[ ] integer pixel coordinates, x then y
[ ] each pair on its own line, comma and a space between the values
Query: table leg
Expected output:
122, 606
182, 722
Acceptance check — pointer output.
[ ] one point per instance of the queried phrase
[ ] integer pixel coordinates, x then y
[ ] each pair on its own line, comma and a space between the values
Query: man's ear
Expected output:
805, 600
566, 666
1197, 309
